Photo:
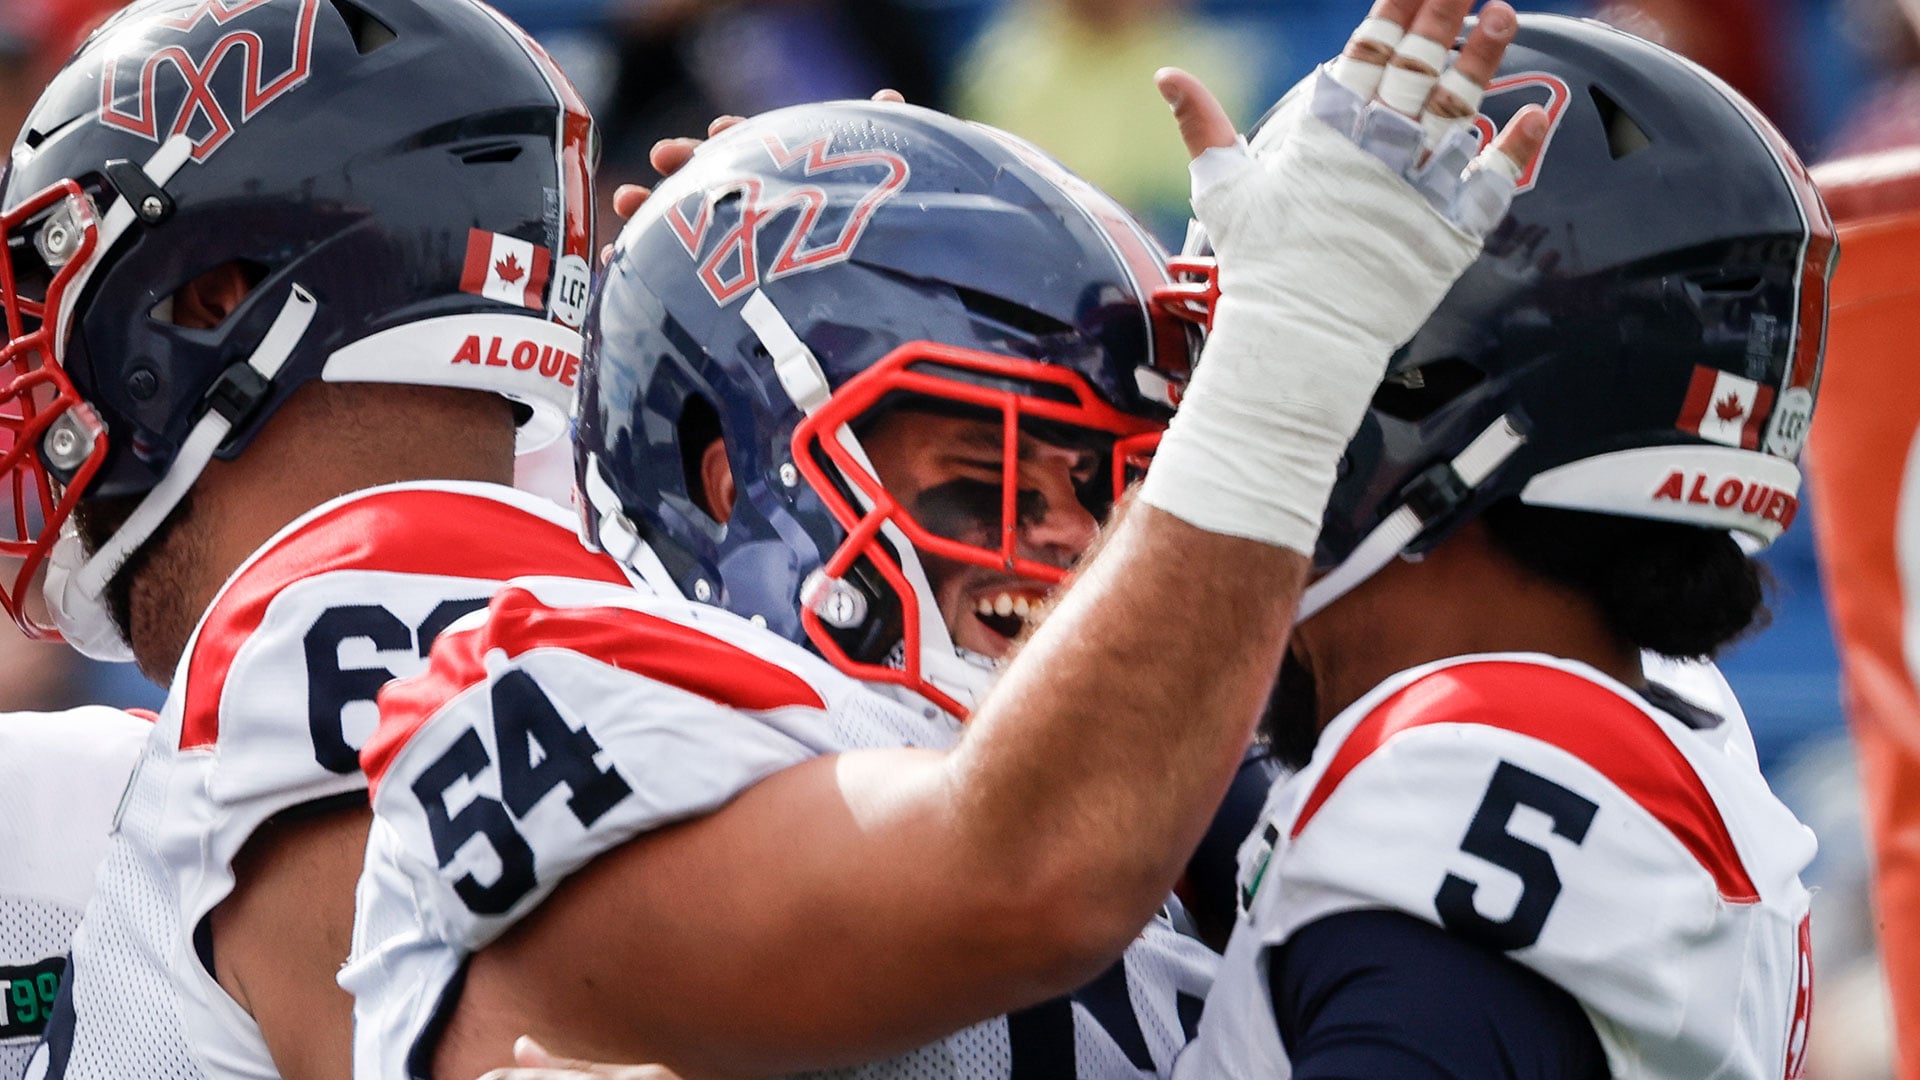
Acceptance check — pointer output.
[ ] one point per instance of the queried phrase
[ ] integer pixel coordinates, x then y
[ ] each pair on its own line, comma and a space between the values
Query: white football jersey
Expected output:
1538, 807
576, 717
61, 777
267, 710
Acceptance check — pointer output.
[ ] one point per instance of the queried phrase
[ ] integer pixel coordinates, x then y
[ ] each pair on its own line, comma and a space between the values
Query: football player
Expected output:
860, 377
1509, 852
61, 777
284, 278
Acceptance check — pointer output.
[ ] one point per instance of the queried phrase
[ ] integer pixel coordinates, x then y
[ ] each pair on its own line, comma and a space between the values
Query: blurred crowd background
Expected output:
1839, 77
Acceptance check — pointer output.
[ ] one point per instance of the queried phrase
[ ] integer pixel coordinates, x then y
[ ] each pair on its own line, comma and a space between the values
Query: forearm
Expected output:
1092, 770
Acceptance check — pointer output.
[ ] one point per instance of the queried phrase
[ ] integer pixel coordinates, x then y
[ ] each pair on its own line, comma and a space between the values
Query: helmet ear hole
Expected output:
700, 437
206, 302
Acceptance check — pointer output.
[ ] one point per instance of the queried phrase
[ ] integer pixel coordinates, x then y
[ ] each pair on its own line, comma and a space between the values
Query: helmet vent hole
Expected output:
369, 34
1625, 137
1418, 393
489, 154
1009, 314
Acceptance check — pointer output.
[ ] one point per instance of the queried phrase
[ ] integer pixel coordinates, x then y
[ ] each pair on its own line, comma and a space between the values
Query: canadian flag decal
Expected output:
1725, 408
506, 269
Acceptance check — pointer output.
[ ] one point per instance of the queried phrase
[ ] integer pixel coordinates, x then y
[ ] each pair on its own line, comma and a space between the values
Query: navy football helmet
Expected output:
1642, 336
815, 268
404, 184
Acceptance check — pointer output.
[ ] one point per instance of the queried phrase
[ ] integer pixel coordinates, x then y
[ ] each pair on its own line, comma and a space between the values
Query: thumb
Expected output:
1203, 122
530, 1054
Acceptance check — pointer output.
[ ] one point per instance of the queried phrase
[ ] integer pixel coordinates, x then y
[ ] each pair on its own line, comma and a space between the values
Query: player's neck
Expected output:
326, 442
1463, 598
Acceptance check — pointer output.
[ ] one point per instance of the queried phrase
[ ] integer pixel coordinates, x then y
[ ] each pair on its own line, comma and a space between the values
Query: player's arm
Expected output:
851, 906
281, 970
1383, 994
857, 905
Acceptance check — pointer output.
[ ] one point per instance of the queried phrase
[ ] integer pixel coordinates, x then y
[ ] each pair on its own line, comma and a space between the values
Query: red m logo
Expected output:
134, 106
732, 268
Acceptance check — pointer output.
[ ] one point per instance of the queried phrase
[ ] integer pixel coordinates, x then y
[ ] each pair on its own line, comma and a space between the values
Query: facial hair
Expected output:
1291, 722
159, 570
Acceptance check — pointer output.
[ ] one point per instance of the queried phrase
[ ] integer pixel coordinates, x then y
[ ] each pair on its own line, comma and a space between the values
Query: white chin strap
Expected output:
942, 663
619, 539
74, 590
1470, 468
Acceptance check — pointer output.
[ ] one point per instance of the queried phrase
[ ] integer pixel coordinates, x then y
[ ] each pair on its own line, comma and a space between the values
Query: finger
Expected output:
669, 156
722, 123
1373, 42
894, 96
606, 254
629, 198
1421, 56
1440, 20
528, 1052
1204, 123
1480, 56
1521, 140
1456, 97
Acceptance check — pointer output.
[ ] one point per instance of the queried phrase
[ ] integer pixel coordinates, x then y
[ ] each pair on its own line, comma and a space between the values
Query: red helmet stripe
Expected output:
576, 146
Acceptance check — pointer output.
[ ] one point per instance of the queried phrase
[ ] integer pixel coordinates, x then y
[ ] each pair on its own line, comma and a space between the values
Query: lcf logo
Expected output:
208, 70
805, 227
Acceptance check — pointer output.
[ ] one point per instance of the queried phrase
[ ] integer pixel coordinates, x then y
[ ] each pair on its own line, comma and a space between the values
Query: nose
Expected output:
1064, 528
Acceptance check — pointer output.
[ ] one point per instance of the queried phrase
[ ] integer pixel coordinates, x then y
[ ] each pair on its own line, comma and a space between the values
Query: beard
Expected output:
1291, 722
156, 566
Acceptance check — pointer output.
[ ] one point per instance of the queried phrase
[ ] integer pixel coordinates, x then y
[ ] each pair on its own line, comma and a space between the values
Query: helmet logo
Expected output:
1542, 89
1723, 407
131, 103
1787, 431
1729, 492
505, 268
731, 268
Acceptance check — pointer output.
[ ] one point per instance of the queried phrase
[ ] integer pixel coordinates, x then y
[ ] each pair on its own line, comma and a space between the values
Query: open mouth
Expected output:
1009, 613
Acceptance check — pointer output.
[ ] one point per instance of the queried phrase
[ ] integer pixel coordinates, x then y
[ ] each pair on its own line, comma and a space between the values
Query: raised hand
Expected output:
1338, 229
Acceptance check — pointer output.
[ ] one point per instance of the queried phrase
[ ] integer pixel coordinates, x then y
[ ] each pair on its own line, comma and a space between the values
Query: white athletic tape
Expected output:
1404, 90
1378, 30
1463, 89
1363, 76
1357, 75
1425, 52
1329, 261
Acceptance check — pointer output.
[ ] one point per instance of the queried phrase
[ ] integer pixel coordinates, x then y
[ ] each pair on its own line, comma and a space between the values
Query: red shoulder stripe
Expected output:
442, 533
517, 623
1575, 714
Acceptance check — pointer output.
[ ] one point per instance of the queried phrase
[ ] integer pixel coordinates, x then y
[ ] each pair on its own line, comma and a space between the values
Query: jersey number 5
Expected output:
1488, 837
538, 752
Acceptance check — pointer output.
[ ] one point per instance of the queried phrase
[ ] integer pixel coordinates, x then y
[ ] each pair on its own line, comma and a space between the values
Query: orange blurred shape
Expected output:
1858, 460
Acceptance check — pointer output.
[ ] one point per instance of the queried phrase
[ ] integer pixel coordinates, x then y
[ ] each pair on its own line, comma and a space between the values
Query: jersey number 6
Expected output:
1488, 837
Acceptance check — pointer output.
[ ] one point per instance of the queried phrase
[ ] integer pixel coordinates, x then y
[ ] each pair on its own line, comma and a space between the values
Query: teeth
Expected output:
1003, 604
984, 606
1021, 607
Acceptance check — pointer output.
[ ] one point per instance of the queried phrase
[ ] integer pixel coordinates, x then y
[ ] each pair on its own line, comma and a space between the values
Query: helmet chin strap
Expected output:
942, 663
75, 593
1435, 493
619, 539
